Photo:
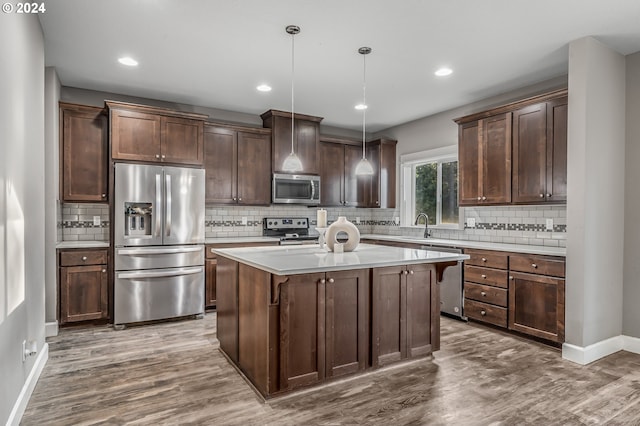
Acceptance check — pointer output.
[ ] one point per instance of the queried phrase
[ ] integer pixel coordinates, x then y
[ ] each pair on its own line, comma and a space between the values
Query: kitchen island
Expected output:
297, 316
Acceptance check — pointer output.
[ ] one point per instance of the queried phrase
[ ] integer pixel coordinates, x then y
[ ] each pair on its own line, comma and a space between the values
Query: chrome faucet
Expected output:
427, 234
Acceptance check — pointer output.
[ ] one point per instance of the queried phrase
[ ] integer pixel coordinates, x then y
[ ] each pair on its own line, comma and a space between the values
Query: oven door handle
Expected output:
159, 274
138, 251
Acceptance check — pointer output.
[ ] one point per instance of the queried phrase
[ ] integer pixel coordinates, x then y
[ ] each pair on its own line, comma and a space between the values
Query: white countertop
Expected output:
82, 244
518, 248
291, 260
241, 240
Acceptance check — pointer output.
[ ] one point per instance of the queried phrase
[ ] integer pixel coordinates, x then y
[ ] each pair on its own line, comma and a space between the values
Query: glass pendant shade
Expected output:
364, 167
292, 163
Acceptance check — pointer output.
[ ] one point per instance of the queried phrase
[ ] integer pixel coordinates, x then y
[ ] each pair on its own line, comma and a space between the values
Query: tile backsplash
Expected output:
498, 224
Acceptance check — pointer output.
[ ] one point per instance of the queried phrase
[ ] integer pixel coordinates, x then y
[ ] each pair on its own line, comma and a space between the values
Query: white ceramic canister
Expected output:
342, 225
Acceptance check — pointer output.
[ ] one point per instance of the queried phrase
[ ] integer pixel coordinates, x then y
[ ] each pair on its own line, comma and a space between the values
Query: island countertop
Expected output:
292, 260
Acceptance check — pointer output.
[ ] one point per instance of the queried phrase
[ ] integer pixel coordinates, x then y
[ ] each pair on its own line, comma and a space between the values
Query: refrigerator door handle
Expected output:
156, 212
159, 274
138, 251
168, 206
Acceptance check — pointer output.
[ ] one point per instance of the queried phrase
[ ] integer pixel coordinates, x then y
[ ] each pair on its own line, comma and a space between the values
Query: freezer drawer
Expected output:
156, 257
158, 294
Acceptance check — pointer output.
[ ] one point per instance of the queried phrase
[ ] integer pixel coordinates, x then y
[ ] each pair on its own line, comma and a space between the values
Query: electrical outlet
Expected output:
244, 220
397, 220
471, 222
549, 224
357, 220
96, 221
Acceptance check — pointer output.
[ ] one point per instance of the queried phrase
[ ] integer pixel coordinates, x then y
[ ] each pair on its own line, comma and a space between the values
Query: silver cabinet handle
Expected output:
331, 280
479, 198
104, 270
322, 281
534, 266
541, 195
483, 276
483, 313
484, 198
235, 199
484, 259
104, 195
157, 155
84, 258
377, 203
404, 272
510, 277
549, 195
164, 156
240, 199
483, 293
167, 215
411, 272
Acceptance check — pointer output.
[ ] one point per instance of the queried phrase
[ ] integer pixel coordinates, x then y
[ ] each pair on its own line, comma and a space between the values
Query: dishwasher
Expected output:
451, 297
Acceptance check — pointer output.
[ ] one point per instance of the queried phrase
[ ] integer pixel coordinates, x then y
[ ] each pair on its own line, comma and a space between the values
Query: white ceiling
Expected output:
214, 53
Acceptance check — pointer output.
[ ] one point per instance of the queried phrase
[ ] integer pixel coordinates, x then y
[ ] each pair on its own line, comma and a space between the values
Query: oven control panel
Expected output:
286, 223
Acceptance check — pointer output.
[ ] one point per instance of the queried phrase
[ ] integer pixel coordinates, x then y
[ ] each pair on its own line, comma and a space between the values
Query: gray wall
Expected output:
631, 317
595, 206
21, 200
51, 166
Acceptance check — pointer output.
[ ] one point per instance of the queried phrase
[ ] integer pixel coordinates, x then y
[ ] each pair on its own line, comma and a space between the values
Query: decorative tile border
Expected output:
517, 227
70, 224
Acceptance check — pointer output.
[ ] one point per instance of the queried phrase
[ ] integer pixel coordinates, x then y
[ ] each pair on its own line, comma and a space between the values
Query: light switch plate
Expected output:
96, 221
244, 220
549, 224
471, 222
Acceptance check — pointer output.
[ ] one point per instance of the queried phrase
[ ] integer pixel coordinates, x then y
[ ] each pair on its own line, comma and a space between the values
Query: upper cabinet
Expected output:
516, 153
381, 188
339, 185
306, 140
84, 153
141, 133
237, 164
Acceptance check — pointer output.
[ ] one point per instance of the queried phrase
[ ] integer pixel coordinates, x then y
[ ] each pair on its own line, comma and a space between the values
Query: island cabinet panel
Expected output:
347, 322
227, 306
302, 330
388, 315
423, 322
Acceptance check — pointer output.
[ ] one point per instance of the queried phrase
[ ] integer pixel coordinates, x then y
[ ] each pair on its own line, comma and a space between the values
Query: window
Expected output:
430, 186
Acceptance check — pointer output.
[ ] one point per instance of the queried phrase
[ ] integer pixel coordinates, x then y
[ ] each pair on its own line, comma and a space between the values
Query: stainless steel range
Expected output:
290, 230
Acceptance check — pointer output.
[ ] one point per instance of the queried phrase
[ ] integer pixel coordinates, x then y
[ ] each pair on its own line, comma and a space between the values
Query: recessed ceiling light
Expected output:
264, 88
361, 106
442, 72
126, 60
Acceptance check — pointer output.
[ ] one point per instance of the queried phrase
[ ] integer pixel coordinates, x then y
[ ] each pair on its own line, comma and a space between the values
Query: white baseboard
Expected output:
588, 354
51, 329
631, 344
29, 386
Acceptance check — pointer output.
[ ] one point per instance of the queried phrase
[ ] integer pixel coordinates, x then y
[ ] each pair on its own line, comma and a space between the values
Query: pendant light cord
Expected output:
292, 85
364, 100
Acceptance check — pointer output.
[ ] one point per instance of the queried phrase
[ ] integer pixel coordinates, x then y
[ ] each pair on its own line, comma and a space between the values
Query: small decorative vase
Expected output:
342, 225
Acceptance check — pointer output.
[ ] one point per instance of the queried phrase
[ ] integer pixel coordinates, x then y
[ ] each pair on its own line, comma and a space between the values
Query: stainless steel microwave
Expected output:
295, 189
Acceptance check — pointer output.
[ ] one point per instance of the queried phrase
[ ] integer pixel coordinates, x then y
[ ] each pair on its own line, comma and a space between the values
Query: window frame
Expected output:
408, 163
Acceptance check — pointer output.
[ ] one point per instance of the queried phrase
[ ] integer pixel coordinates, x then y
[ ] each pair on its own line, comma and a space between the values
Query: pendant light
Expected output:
292, 163
364, 167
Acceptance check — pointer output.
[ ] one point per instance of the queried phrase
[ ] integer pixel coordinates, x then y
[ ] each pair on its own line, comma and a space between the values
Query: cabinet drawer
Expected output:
490, 259
486, 293
537, 265
487, 276
78, 258
484, 312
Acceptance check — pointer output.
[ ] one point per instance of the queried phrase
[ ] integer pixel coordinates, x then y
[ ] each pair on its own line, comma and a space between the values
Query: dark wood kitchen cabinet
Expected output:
149, 134
540, 152
484, 157
381, 187
83, 285
83, 153
306, 140
402, 297
486, 286
537, 296
339, 185
237, 164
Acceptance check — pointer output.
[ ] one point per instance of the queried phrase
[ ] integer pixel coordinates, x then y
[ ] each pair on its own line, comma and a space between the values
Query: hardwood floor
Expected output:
173, 373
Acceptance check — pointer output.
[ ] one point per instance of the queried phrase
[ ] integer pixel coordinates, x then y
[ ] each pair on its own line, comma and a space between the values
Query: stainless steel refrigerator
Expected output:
159, 242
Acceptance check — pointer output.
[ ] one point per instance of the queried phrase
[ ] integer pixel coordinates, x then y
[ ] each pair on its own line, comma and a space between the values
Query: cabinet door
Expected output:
530, 154
254, 169
84, 156
423, 313
83, 293
220, 164
306, 143
347, 325
496, 159
381, 191
388, 315
135, 136
210, 282
332, 173
227, 310
536, 305
302, 330
557, 150
354, 185
469, 163
181, 141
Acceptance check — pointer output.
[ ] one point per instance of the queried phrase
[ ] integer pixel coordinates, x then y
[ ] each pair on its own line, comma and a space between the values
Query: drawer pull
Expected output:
411, 272
484, 259
533, 265
322, 281
104, 270
331, 280
541, 195
484, 198
84, 258
483, 276
483, 313
483, 293
479, 198
511, 277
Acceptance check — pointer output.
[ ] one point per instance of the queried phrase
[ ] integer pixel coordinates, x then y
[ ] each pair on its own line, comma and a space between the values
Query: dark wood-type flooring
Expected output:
173, 373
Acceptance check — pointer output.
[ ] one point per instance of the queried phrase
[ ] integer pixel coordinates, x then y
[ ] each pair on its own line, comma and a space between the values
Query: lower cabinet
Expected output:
83, 280
402, 297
